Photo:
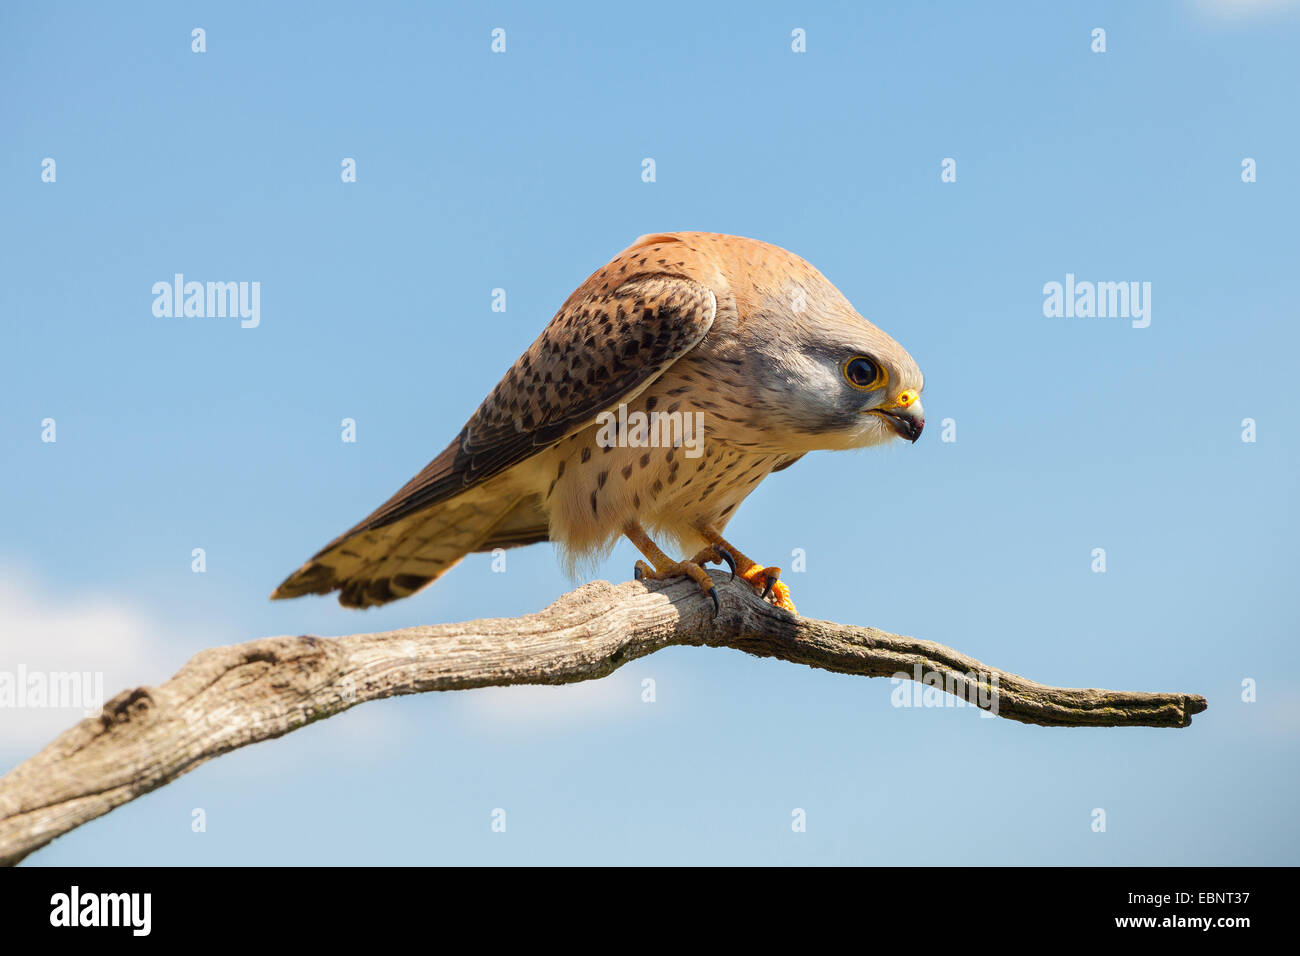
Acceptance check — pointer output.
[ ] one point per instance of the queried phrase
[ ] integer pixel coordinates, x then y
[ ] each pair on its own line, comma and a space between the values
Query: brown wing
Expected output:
604, 346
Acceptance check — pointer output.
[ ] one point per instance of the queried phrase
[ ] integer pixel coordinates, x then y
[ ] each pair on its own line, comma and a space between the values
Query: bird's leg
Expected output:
661, 566
762, 579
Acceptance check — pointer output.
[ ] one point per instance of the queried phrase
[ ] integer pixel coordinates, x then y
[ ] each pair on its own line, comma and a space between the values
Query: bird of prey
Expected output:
743, 340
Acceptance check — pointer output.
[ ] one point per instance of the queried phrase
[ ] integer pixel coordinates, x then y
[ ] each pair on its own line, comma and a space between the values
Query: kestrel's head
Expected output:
832, 377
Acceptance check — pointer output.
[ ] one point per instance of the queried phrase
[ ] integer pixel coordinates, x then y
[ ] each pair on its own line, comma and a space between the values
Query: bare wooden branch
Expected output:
229, 697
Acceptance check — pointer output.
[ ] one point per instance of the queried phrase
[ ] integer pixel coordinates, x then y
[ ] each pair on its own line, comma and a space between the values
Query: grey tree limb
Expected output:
229, 697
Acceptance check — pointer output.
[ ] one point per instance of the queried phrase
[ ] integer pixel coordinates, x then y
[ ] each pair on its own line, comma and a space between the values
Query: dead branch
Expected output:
229, 697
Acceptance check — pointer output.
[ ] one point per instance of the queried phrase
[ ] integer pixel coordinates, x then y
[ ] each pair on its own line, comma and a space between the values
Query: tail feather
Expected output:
377, 565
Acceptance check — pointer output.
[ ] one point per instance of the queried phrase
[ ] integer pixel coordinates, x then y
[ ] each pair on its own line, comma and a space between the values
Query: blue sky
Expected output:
522, 171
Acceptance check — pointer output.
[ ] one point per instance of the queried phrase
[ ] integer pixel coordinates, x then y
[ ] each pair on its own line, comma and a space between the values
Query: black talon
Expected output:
717, 603
723, 557
729, 559
767, 589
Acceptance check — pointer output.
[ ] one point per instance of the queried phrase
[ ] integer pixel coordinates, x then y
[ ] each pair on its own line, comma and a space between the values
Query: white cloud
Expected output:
42, 634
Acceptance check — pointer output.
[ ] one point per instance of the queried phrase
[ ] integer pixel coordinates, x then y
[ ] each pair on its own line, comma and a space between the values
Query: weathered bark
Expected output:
229, 697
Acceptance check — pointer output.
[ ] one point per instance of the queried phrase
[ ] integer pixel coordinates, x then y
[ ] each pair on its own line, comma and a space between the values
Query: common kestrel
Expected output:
672, 382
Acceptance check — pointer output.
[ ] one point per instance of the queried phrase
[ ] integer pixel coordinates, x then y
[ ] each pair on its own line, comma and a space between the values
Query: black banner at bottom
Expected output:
333, 905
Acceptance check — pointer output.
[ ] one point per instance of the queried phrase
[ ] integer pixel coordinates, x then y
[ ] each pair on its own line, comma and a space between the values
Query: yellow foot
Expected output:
716, 554
764, 580
676, 569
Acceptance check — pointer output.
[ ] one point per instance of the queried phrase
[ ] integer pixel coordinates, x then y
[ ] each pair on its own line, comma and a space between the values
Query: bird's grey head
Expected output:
832, 378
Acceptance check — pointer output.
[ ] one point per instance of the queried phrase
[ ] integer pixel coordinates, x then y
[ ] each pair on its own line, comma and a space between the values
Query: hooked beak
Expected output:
905, 416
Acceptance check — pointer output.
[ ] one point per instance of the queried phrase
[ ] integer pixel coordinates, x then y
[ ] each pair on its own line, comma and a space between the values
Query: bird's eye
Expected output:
863, 373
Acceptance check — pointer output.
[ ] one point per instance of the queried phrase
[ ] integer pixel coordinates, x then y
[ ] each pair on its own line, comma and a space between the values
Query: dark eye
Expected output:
863, 373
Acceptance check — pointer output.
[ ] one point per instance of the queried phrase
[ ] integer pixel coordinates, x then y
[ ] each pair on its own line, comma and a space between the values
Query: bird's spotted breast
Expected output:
692, 467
